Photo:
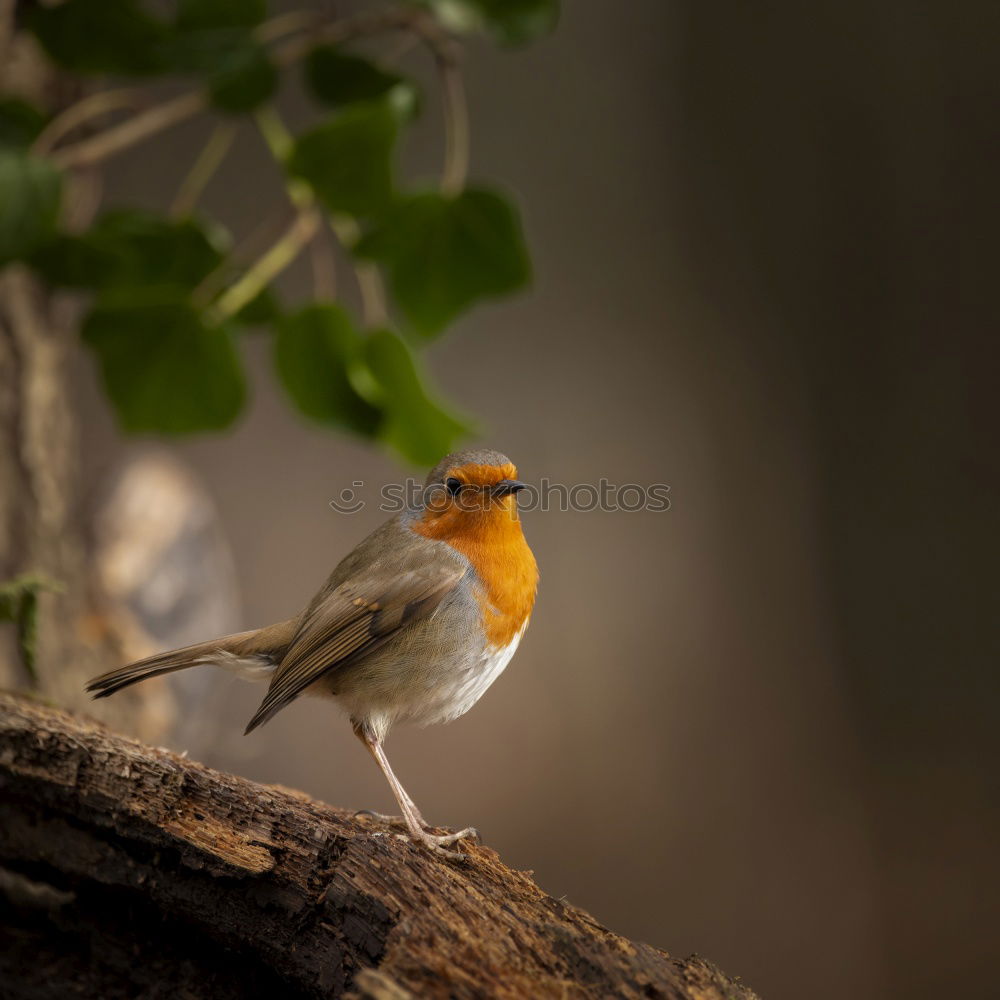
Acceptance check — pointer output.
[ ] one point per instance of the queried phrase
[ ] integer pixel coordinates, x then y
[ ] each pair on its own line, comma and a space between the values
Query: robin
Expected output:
414, 624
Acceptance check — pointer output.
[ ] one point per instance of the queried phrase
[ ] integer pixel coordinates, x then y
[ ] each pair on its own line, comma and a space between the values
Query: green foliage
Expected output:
207, 14
130, 248
442, 254
323, 360
19, 604
214, 38
161, 319
337, 78
244, 79
348, 159
101, 36
29, 203
512, 22
316, 350
165, 370
20, 123
263, 309
414, 424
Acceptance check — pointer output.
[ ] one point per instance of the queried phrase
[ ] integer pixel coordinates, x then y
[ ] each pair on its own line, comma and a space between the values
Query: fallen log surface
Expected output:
129, 871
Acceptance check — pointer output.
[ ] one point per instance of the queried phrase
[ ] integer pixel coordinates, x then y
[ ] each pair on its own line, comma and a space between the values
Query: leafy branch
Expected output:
269, 266
168, 293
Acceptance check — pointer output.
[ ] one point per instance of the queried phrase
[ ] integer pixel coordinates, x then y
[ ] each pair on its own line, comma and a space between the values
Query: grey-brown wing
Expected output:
353, 619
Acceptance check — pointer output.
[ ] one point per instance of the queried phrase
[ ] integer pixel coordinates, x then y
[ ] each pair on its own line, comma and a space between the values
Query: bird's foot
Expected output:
438, 843
380, 817
391, 820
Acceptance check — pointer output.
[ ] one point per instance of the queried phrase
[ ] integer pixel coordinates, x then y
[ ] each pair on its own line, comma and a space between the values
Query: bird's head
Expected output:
471, 490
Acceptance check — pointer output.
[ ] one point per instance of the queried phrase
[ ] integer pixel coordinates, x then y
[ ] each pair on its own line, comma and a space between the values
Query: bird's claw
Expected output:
438, 843
380, 817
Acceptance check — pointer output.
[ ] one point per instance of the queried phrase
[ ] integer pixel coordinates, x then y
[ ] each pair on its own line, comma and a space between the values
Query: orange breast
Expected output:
493, 542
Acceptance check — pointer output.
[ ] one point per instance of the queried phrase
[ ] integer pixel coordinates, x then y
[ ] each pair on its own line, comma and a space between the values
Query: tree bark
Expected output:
130, 871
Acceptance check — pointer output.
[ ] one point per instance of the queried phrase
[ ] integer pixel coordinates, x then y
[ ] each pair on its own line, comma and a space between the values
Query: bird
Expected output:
414, 624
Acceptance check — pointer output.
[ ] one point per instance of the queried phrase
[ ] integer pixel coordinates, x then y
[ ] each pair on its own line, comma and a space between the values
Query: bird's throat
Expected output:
493, 542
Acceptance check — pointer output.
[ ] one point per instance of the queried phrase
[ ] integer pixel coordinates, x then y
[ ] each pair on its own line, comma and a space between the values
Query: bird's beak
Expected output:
506, 487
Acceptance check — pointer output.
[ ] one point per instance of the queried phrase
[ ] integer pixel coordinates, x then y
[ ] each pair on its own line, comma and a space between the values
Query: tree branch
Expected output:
284, 53
128, 133
454, 106
209, 160
126, 870
268, 266
91, 106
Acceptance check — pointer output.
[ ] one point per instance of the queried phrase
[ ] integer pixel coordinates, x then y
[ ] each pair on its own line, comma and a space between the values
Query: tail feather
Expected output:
167, 663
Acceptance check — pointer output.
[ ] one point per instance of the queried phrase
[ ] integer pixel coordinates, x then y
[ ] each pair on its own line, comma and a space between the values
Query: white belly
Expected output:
458, 692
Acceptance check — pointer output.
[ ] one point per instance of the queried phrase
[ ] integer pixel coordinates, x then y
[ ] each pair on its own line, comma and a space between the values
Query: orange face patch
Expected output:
488, 533
483, 475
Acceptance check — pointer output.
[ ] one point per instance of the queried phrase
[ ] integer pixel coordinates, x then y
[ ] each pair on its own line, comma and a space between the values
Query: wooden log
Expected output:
130, 871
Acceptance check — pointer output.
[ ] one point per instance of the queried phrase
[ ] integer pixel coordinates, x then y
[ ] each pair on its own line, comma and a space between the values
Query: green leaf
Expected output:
244, 78
337, 78
197, 14
204, 51
131, 247
20, 123
73, 262
165, 371
215, 38
29, 203
153, 250
315, 351
511, 22
442, 254
348, 160
100, 36
264, 308
415, 425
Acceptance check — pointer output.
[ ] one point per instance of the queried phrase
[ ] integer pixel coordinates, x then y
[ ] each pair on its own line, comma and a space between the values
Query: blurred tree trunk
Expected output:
43, 528
39, 529
112, 851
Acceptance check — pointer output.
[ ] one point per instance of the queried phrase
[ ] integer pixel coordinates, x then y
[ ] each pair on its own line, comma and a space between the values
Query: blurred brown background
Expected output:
758, 726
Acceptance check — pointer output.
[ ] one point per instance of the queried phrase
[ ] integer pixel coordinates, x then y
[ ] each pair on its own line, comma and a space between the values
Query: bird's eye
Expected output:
453, 485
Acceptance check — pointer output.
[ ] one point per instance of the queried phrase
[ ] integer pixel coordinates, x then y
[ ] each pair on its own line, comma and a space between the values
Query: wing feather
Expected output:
351, 620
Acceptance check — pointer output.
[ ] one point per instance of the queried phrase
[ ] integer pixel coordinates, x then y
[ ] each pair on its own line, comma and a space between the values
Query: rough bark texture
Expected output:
130, 871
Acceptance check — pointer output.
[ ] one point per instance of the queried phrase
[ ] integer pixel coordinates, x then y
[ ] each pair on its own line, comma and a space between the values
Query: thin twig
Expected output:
267, 267
86, 108
456, 124
146, 123
274, 132
279, 141
208, 161
246, 251
287, 24
83, 200
374, 311
393, 19
178, 109
373, 308
324, 267
454, 105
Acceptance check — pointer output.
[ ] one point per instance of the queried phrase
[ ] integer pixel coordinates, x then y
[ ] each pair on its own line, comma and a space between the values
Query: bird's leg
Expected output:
415, 823
414, 811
